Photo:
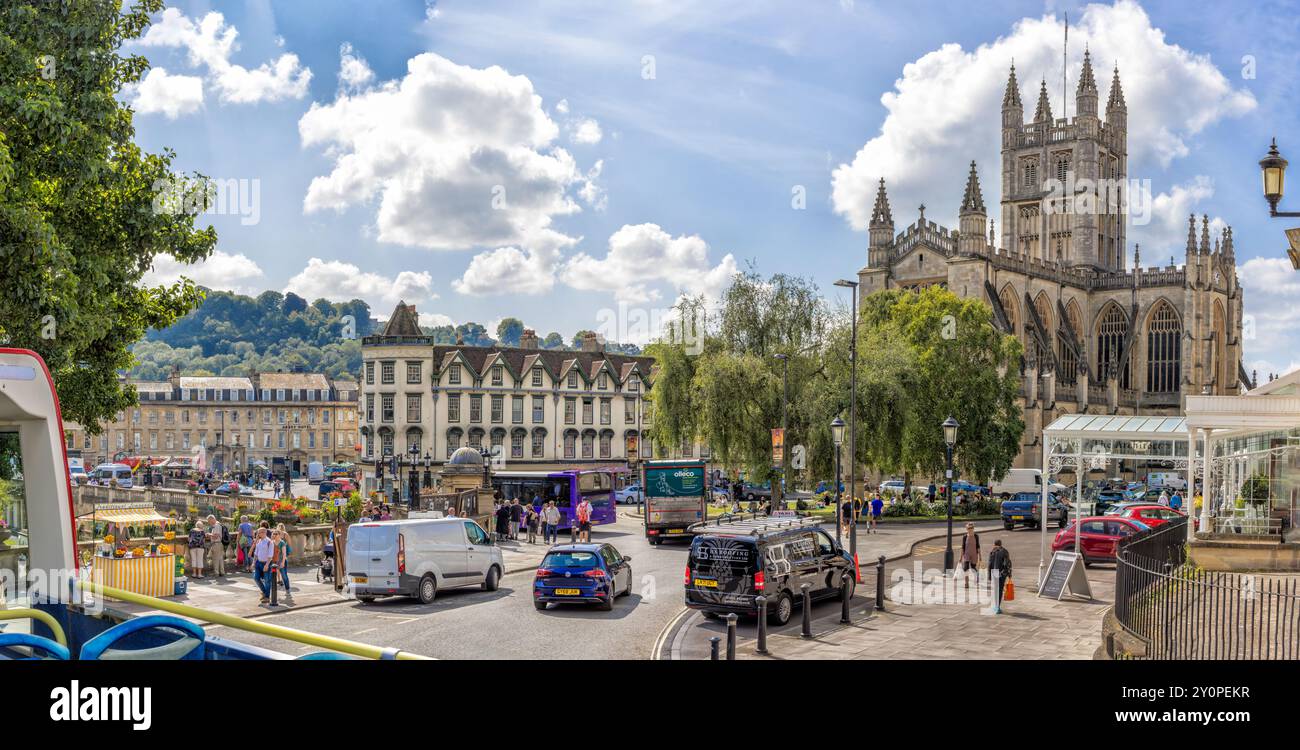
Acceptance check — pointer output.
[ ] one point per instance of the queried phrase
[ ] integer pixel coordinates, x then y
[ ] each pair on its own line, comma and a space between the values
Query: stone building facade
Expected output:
532, 408
236, 421
1099, 337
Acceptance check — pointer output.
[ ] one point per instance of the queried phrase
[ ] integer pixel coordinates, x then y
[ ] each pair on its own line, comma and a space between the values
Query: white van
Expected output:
418, 557
315, 472
1166, 481
105, 473
1024, 480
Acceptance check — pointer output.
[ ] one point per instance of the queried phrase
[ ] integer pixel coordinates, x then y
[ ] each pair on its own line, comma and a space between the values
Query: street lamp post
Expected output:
428, 477
414, 463
785, 400
852, 286
950, 439
837, 437
1273, 168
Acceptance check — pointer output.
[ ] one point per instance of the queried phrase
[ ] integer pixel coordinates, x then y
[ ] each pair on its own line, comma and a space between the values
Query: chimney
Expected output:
590, 342
528, 340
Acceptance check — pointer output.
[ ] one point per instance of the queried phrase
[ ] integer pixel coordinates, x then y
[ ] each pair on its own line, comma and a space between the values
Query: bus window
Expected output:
13, 507
594, 482
559, 492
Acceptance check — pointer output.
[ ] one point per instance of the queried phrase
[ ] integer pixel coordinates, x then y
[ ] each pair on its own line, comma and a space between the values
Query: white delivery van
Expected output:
1160, 480
1024, 480
77, 471
418, 557
315, 472
105, 473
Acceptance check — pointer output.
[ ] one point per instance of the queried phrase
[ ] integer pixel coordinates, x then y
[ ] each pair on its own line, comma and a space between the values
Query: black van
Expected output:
734, 560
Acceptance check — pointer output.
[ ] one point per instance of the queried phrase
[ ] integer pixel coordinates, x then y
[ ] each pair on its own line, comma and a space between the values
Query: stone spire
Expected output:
1191, 235
1085, 96
1044, 111
972, 202
993, 233
1137, 258
1011, 98
1227, 244
1116, 101
880, 213
1205, 234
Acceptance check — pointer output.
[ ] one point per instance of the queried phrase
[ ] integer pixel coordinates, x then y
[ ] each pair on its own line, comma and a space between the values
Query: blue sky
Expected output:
551, 160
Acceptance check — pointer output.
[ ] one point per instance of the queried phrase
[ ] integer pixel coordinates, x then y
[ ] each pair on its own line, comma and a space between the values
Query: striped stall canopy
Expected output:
128, 513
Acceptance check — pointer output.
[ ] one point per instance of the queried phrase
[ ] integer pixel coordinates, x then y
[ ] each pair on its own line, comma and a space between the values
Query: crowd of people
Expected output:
512, 517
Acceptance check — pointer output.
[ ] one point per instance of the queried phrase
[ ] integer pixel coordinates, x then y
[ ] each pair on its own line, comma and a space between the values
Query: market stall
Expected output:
143, 566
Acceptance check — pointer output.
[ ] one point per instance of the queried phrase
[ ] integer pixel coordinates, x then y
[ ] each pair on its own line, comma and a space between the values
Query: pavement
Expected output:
932, 622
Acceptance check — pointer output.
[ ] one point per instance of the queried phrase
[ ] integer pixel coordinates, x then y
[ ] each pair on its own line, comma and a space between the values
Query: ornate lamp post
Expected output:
428, 476
785, 398
414, 462
1273, 169
950, 439
852, 286
837, 437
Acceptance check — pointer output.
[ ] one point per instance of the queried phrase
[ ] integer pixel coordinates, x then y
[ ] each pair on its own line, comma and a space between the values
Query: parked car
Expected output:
315, 472
629, 495
105, 474
1148, 513
592, 573
420, 557
1099, 537
334, 485
969, 487
1108, 498
732, 562
757, 492
1023, 480
894, 486
77, 473
1026, 508
232, 488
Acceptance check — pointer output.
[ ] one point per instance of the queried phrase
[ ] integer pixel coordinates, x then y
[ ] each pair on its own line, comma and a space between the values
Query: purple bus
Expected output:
566, 487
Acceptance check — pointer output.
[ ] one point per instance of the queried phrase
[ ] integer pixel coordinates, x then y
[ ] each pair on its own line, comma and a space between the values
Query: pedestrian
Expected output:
584, 520
877, 509
970, 554
197, 541
282, 552
218, 539
1176, 501
551, 519
516, 516
531, 521
263, 555
999, 573
846, 516
245, 543
503, 521
1164, 498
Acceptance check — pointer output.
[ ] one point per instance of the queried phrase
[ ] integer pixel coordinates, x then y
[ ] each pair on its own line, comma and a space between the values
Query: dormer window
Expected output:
497, 377
573, 380
537, 377
453, 375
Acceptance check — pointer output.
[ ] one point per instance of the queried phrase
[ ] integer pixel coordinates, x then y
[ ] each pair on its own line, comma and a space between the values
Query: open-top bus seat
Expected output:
40, 648
161, 638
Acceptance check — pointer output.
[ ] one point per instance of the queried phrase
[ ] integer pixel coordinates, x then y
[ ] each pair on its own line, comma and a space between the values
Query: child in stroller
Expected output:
326, 570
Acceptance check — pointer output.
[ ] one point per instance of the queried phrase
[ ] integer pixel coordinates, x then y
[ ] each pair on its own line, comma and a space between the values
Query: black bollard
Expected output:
807, 610
732, 617
844, 599
761, 601
275, 576
573, 534
713, 648
880, 584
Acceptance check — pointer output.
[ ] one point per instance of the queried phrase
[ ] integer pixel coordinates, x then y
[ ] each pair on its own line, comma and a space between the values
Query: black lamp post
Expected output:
414, 494
428, 476
379, 473
950, 439
837, 437
487, 465
785, 398
1273, 167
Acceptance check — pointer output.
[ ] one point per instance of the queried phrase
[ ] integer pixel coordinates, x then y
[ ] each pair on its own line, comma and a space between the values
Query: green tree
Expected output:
509, 331
80, 215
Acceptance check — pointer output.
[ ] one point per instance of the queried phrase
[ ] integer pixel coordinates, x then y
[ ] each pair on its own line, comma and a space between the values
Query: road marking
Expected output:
367, 630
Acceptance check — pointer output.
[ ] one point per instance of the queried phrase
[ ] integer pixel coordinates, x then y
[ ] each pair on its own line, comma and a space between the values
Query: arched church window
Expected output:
1111, 330
1164, 350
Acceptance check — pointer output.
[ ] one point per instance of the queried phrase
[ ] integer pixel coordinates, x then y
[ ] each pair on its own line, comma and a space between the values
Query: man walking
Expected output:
551, 517
263, 553
877, 508
245, 543
999, 573
218, 539
516, 515
1176, 501
584, 520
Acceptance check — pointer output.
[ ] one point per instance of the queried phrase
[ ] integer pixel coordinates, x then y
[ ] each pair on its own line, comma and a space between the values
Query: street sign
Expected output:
338, 502
1065, 573
778, 446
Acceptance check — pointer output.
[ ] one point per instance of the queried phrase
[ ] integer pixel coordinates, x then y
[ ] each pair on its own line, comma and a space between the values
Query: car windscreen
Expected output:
570, 560
715, 553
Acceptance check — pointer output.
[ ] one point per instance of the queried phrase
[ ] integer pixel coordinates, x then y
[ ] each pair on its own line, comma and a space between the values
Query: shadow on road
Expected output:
623, 607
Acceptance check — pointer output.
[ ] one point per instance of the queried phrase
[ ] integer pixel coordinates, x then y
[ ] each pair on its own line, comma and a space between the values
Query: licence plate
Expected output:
1017, 518
677, 531
360, 579
707, 583
568, 592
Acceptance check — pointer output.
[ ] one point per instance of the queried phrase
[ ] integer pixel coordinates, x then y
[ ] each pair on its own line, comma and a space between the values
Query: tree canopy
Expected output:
79, 224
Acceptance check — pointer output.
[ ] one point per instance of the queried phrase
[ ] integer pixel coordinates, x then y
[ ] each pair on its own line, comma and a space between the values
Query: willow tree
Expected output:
80, 215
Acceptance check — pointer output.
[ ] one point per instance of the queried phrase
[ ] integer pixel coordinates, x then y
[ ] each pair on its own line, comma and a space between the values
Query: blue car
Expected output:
589, 573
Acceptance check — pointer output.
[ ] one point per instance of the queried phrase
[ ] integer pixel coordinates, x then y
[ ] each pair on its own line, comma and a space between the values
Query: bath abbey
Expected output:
1099, 337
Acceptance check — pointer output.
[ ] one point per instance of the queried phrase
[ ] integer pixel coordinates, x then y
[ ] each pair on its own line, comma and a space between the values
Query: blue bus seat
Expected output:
52, 649
160, 638
326, 656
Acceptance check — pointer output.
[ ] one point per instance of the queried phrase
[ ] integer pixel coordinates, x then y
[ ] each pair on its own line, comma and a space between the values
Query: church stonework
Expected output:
1099, 338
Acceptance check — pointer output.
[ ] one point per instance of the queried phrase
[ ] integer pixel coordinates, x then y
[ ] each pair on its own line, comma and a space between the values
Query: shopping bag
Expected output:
1010, 593
239, 556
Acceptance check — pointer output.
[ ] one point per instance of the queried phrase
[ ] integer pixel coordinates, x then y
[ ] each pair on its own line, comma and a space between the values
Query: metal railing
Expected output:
1177, 610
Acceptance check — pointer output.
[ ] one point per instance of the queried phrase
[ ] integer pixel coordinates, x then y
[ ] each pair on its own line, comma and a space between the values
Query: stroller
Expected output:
326, 570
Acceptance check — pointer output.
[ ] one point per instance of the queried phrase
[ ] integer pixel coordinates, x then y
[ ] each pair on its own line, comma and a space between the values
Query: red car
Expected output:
1152, 515
1099, 537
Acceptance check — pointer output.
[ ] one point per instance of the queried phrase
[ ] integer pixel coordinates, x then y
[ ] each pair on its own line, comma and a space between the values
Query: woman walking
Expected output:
970, 554
197, 542
282, 552
530, 520
999, 573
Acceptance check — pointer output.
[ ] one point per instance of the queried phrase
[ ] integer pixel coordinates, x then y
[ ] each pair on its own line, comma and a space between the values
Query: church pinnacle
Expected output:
972, 201
1116, 101
1086, 81
1012, 96
880, 214
1044, 111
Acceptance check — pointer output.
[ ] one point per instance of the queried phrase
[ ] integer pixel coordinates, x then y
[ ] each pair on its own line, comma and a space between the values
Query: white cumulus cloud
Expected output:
642, 256
945, 109
210, 42
1271, 332
170, 95
585, 132
338, 281
220, 270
